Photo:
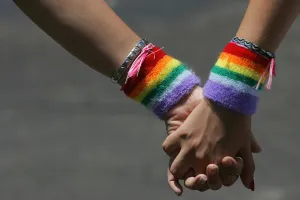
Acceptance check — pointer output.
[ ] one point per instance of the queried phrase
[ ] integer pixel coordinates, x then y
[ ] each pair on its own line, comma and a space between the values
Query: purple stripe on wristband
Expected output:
230, 98
162, 107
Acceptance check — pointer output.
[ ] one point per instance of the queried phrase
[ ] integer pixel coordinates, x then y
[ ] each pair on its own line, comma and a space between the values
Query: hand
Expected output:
174, 119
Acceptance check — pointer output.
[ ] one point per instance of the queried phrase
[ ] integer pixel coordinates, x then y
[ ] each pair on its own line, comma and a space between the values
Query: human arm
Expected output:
265, 23
88, 29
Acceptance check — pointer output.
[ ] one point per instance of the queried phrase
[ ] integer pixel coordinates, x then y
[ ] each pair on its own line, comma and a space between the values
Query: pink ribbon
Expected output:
136, 65
271, 69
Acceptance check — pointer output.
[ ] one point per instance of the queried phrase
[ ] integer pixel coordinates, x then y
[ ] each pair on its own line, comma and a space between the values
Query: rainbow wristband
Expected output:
162, 81
233, 79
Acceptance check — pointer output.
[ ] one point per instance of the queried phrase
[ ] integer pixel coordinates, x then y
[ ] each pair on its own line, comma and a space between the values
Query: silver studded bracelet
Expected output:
134, 53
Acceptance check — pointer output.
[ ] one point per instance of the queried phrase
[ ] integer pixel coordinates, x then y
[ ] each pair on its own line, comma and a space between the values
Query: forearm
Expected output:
92, 32
243, 68
88, 29
267, 21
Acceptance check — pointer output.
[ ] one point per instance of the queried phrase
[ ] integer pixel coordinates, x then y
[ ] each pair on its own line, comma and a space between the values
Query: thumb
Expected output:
255, 147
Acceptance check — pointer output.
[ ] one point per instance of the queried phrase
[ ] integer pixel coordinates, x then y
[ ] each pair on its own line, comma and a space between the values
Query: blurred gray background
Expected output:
67, 133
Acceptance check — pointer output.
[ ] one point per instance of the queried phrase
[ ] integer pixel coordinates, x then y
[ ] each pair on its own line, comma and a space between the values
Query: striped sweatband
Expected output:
237, 78
160, 82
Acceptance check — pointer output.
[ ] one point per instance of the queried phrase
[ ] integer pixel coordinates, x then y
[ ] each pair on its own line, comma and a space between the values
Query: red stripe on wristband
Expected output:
237, 50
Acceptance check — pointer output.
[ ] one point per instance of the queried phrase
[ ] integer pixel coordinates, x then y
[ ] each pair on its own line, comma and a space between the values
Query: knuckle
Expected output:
200, 151
213, 167
184, 135
194, 144
213, 172
200, 156
165, 147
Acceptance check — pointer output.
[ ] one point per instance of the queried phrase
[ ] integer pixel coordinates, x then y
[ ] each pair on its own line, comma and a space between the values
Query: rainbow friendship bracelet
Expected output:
161, 82
237, 78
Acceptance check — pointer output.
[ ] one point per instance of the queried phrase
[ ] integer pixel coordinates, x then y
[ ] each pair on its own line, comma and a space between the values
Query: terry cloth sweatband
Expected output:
158, 81
239, 75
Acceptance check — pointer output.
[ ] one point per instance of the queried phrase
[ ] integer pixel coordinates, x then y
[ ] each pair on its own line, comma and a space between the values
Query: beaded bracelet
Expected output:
239, 75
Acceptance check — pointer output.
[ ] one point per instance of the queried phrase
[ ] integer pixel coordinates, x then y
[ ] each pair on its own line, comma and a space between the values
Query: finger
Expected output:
189, 179
197, 183
174, 184
248, 168
213, 178
239, 165
181, 164
229, 166
202, 184
190, 182
171, 144
255, 147
232, 166
189, 174
230, 170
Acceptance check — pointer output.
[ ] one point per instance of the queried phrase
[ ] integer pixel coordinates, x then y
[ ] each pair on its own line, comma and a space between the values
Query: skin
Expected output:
230, 167
225, 133
85, 29
265, 23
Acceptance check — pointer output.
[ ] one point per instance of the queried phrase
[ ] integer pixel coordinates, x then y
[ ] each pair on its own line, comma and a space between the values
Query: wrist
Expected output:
120, 52
120, 74
260, 40
186, 105
238, 77
221, 109
158, 81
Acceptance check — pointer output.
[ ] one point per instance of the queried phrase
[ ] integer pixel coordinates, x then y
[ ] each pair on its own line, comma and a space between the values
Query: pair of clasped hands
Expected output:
209, 146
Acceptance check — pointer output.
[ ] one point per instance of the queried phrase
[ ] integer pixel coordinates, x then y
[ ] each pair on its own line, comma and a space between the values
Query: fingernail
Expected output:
252, 185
